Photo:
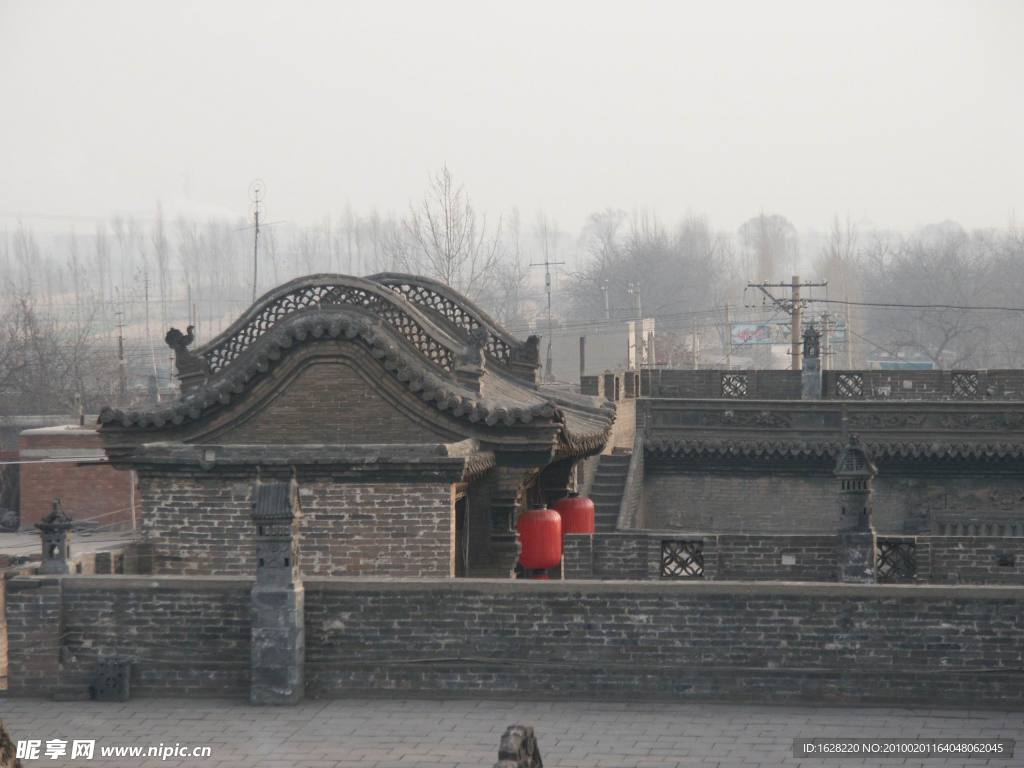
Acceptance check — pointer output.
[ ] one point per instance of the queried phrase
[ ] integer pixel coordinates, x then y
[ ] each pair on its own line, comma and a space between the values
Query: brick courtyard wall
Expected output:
748, 501
701, 384
774, 502
636, 555
786, 558
633, 555
184, 636
196, 525
877, 384
33, 610
88, 492
976, 559
784, 642
897, 645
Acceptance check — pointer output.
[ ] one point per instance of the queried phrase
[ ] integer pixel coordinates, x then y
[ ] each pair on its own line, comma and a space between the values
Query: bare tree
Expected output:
446, 240
770, 243
513, 275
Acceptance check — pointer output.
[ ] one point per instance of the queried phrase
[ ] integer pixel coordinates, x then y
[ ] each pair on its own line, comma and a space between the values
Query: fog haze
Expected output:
899, 114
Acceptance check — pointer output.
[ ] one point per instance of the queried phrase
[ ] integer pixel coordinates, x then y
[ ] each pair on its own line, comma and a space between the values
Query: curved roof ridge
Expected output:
431, 339
458, 311
443, 393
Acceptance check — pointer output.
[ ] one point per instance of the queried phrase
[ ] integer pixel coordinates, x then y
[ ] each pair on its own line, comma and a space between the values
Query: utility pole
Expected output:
548, 264
607, 306
793, 306
122, 368
728, 339
849, 336
256, 193
639, 343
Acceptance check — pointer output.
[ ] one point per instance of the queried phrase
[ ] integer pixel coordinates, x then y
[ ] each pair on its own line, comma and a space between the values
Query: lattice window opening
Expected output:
314, 296
850, 385
735, 385
964, 386
456, 315
896, 560
682, 559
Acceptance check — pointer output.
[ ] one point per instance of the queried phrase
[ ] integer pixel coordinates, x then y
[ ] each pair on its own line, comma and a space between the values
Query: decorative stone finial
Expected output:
190, 367
55, 535
812, 342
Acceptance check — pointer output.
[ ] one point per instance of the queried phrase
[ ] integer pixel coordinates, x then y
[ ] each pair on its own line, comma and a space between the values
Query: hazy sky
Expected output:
902, 113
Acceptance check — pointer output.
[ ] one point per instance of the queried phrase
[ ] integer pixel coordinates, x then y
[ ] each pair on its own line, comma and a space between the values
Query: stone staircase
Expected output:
606, 491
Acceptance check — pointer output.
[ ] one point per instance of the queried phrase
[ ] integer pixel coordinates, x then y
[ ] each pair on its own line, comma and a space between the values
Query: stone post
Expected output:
810, 375
55, 532
278, 598
855, 552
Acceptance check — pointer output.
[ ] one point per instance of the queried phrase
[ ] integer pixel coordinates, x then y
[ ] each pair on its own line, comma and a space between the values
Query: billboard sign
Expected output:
751, 333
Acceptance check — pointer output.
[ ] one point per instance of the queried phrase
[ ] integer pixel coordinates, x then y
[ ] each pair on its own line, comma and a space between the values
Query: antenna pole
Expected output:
256, 249
548, 264
122, 368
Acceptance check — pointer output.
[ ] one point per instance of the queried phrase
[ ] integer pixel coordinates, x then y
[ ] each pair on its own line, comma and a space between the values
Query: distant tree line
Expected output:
65, 299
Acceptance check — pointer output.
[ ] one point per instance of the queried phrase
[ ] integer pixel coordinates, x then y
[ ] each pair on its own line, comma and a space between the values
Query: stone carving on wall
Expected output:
987, 421
738, 418
885, 420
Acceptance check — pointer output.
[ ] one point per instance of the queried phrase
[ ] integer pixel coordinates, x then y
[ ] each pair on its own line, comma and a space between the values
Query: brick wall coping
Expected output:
696, 587
75, 583
675, 533
103, 583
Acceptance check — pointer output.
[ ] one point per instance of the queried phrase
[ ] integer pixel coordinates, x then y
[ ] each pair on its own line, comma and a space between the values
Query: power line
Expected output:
896, 305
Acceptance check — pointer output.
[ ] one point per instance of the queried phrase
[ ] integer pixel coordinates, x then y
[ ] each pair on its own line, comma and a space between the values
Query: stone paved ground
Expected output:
465, 733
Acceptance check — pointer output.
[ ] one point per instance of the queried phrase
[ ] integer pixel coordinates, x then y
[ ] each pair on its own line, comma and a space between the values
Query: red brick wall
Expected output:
86, 492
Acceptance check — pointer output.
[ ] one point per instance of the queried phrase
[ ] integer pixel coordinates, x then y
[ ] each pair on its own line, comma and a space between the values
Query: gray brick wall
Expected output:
744, 501
785, 642
777, 502
784, 558
976, 559
734, 641
636, 555
330, 402
185, 636
33, 610
196, 525
377, 530
202, 526
877, 384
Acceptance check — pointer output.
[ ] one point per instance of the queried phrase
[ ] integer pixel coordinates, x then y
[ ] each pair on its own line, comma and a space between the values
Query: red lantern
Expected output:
540, 534
577, 514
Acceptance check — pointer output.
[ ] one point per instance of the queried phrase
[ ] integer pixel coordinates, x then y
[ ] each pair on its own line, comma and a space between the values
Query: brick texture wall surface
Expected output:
198, 525
754, 501
738, 557
33, 610
707, 384
330, 402
87, 492
739, 502
786, 558
977, 560
877, 384
783, 642
184, 637
377, 530
202, 526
